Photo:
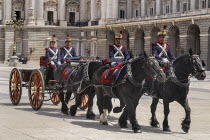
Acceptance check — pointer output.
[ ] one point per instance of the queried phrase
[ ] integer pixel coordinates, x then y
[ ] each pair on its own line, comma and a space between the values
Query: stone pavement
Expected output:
23, 123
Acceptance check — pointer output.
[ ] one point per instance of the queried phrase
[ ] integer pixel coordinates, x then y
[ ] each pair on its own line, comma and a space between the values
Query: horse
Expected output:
176, 88
127, 88
70, 78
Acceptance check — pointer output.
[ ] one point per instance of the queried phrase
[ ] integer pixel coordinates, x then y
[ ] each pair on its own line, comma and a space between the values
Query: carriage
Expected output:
40, 84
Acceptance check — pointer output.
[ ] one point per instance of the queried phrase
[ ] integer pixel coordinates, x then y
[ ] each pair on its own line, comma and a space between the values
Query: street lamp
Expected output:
15, 24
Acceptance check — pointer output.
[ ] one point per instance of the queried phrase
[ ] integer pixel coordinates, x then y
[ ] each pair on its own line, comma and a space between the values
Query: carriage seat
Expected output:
111, 75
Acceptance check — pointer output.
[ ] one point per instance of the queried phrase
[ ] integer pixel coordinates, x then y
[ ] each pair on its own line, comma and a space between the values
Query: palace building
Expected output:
92, 25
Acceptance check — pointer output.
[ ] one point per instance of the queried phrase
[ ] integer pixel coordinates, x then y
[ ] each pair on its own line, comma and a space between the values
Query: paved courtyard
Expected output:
23, 123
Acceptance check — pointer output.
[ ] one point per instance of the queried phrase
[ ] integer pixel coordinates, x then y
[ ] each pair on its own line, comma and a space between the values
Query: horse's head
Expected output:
197, 66
153, 69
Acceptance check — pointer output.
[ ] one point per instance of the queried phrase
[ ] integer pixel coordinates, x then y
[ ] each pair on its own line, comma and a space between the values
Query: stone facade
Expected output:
92, 25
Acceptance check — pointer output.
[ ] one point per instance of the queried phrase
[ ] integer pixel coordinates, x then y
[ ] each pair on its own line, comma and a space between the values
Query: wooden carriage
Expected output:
39, 83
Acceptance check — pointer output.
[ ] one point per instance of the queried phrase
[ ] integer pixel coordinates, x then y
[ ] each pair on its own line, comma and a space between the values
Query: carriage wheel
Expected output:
84, 102
54, 98
15, 86
36, 89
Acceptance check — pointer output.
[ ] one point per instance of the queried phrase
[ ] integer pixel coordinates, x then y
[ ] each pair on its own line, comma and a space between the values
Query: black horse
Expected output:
176, 88
127, 88
76, 78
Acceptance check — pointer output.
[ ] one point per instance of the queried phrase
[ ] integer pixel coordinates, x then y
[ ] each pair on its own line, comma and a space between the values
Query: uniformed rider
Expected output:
68, 52
162, 52
52, 54
118, 52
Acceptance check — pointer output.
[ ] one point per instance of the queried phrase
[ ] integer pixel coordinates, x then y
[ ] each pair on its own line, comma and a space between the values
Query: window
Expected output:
93, 49
208, 3
122, 14
151, 11
137, 13
203, 4
184, 7
19, 48
167, 9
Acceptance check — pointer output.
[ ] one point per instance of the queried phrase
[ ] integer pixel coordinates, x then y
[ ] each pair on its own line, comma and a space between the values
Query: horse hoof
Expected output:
155, 124
185, 129
104, 123
65, 112
73, 110
166, 129
117, 110
123, 124
137, 131
91, 116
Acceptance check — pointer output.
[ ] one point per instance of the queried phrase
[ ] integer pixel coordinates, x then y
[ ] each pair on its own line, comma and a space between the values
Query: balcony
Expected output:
78, 23
55, 23
94, 23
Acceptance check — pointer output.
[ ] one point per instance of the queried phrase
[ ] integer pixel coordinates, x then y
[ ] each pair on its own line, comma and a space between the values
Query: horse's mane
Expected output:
180, 58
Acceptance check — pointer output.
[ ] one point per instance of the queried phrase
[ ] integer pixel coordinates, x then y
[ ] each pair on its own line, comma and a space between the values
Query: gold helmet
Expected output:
53, 39
119, 36
163, 32
68, 39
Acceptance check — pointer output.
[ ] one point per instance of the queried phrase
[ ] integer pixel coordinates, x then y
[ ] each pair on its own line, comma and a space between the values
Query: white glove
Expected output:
52, 62
165, 61
59, 62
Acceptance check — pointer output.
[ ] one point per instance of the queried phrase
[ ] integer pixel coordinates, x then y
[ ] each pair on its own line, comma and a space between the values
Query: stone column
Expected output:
192, 5
7, 10
109, 7
143, 8
62, 12
40, 12
183, 45
158, 7
103, 12
147, 44
115, 9
83, 9
129, 8
93, 10
174, 6
31, 12
204, 46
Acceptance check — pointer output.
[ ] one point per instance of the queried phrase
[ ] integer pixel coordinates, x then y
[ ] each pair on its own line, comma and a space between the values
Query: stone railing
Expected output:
78, 23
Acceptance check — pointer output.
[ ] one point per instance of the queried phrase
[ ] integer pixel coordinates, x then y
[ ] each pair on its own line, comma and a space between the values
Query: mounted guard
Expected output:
68, 52
53, 54
162, 52
118, 54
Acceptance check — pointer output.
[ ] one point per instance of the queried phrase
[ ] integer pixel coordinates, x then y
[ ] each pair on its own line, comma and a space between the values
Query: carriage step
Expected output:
52, 81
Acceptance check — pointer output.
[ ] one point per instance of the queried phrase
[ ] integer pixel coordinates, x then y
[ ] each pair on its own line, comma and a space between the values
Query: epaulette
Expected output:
153, 43
168, 44
111, 45
124, 46
46, 48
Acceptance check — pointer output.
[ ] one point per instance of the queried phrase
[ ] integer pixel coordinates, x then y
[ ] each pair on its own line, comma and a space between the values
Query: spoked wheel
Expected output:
15, 86
84, 102
54, 98
36, 89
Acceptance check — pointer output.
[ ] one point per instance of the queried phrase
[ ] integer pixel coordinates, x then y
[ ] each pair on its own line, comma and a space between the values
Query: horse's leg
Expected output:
186, 122
118, 109
99, 94
154, 122
123, 119
73, 108
64, 108
131, 108
68, 96
166, 112
90, 114
106, 107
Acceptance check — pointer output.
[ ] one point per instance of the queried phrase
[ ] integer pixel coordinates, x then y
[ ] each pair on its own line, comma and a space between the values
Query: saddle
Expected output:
111, 75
